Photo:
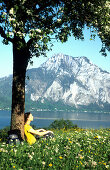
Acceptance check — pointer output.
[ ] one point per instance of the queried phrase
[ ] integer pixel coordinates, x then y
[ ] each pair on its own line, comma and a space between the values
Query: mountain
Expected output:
5, 92
65, 81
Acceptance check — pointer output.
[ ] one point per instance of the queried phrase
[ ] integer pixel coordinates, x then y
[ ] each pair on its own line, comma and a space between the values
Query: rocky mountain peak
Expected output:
61, 62
73, 81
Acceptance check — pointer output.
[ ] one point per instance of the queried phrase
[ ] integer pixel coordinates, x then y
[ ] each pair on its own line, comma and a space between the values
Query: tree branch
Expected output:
29, 42
2, 33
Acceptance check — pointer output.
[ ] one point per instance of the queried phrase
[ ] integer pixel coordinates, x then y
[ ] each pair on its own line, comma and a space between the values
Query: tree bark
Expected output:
20, 62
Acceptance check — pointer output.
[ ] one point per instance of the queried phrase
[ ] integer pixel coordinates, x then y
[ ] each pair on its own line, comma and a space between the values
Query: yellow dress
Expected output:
29, 136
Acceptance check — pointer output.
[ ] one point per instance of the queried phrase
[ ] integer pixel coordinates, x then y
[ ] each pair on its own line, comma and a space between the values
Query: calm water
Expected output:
44, 119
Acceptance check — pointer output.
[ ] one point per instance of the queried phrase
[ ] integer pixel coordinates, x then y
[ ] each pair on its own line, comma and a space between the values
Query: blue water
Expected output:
44, 119
5, 118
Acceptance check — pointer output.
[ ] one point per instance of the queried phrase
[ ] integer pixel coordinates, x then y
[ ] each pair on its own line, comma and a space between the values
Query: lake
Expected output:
45, 118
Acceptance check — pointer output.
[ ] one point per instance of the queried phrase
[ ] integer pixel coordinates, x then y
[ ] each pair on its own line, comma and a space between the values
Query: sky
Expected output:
89, 48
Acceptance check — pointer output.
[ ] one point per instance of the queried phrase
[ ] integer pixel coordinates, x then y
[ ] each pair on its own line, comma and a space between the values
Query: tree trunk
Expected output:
20, 62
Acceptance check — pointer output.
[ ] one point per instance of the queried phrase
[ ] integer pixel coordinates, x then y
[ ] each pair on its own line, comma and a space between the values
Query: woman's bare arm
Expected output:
41, 130
36, 132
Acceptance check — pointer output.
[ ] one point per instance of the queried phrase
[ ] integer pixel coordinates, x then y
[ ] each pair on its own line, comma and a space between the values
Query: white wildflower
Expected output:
107, 166
94, 163
3, 150
15, 151
32, 153
56, 150
3, 144
43, 163
30, 156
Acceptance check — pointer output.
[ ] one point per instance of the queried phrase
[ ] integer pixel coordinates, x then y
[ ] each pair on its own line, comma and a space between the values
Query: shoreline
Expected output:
40, 118
69, 111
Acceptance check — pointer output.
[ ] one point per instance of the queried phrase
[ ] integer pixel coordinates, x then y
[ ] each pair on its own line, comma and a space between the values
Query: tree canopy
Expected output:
38, 22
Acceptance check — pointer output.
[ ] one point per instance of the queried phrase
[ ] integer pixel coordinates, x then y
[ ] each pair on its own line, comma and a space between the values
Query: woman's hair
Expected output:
26, 115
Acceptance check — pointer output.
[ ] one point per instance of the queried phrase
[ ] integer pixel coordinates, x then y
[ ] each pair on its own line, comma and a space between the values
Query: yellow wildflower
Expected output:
13, 166
80, 162
60, 157
81, 150
50, 164
95, 137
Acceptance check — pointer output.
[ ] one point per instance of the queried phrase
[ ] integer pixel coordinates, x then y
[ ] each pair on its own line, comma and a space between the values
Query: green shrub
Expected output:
4, 134
62, 124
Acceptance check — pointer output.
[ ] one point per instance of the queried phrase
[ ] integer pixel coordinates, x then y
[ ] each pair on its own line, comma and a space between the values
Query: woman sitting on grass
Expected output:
30, 132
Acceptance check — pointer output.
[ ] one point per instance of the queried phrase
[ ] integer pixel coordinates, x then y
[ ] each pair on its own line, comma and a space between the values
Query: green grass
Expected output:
75, 149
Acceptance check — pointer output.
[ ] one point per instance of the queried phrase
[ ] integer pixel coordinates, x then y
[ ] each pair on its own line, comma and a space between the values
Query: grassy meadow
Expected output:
72, 149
